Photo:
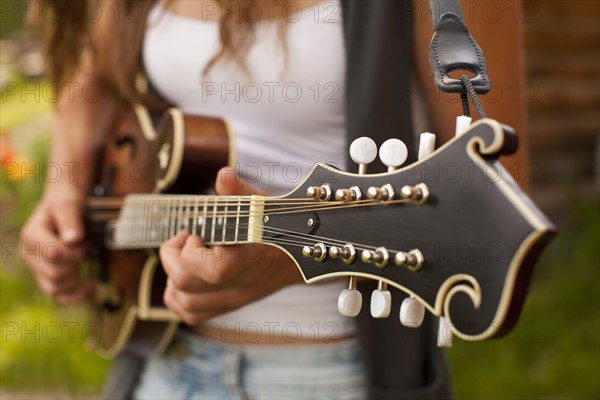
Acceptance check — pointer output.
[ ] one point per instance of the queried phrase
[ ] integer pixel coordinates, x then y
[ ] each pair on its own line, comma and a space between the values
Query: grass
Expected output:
554, 351
41, 346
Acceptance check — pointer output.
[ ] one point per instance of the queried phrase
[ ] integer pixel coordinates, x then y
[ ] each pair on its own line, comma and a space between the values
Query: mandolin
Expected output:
452, 230
144, 153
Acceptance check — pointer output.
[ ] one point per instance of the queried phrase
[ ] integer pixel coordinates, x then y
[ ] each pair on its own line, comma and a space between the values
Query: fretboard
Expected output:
147, 221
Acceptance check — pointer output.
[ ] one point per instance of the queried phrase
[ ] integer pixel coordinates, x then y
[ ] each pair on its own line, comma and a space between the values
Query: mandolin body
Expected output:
144, 154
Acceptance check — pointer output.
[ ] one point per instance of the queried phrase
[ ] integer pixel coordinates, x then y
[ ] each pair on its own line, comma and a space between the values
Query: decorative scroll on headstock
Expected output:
479, 234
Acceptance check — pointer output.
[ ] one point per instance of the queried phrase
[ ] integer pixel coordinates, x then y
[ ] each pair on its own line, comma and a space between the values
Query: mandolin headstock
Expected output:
453, 230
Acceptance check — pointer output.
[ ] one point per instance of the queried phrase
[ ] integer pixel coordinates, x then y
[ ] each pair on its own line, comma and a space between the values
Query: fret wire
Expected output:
214, 222
146, 233
135, 216
165, 225
203, 235
187, 218
139, 234
173, 217
237, 218
195, 222
146, 237
170, 222
225, 223
180, 215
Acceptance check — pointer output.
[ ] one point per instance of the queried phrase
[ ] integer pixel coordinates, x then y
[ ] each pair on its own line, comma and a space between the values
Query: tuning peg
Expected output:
393, 153
444, 334
412, 312
381, 301
462, 124
346, 253
363, 151
350, 300
426, 144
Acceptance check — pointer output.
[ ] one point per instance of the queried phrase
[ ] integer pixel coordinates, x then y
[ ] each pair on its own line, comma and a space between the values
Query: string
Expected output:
210, 213
309, 239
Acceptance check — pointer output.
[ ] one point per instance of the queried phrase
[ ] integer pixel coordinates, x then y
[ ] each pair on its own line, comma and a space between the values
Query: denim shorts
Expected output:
193, 368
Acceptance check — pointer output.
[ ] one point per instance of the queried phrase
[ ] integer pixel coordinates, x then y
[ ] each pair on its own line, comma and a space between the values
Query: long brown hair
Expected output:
67, 33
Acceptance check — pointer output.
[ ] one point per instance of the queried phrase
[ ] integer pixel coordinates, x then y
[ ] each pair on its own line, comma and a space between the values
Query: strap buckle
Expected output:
452, 48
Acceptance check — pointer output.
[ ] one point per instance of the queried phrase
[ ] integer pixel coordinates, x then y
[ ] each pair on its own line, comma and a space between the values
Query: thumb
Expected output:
229, 183
68, 219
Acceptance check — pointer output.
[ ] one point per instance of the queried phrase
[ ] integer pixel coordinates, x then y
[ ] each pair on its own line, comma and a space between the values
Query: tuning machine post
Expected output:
348, 195
418, 194
347, 253
318, 252
322, 193
414, 259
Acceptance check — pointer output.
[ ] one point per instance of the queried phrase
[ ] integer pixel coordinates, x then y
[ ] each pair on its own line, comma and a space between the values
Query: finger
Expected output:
81, 293
170, 251
229, 183
40, 243
177, 241
223, 300
55, 289
170, 257
69, 221
182, 273
54, 272
215, 265
189, 318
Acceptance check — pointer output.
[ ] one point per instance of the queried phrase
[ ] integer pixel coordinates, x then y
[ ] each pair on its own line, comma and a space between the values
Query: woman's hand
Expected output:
205, 282
52, 244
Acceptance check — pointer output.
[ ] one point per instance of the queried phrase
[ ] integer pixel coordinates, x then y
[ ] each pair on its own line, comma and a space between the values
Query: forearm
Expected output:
79, 132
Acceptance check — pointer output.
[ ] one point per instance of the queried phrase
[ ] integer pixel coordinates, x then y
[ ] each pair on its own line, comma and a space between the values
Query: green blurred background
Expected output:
554, 351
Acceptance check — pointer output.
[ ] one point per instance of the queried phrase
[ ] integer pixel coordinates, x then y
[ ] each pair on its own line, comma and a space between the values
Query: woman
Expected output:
351, 62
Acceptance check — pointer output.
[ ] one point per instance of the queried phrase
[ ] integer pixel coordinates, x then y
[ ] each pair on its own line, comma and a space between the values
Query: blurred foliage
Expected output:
554, 350
552, 353
41, 347
12, 16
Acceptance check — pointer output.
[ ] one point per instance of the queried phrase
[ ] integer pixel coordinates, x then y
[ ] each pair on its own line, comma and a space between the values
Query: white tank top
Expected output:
284, 120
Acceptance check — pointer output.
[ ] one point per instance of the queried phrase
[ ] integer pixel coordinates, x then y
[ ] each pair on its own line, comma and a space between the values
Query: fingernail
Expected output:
70, 235
194, 242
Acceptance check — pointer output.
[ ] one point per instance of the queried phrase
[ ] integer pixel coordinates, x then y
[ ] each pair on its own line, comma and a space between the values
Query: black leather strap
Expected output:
453, 48
441, 7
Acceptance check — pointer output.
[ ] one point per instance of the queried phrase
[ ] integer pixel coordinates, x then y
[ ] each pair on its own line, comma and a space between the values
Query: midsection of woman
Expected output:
286, 111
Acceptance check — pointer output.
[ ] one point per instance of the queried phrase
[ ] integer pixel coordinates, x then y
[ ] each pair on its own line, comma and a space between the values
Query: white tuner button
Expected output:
381, 301
363, 151
349, 302
426, 144
445, 334
412, 312
462, 124
393, 153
